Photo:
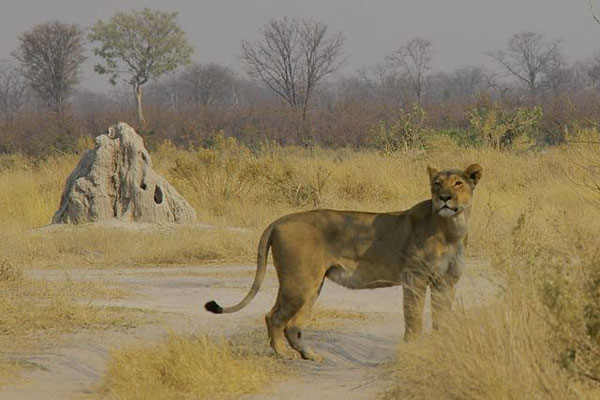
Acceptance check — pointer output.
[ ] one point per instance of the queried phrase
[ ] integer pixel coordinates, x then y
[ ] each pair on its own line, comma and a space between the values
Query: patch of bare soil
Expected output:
356, 349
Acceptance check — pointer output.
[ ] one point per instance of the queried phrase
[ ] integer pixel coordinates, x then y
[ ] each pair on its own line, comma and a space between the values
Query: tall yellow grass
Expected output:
249, 189
536, 217
187, 367
496, 352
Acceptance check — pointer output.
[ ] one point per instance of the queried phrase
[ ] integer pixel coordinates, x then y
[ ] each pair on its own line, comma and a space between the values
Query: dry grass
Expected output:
103, 246
251, 189
203, 367
538, 224
33, 313
187, 367
8, 372
497, 352
536, 217
29, 307
31, 193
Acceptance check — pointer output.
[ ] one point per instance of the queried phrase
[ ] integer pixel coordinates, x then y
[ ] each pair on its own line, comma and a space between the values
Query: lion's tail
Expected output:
261, 269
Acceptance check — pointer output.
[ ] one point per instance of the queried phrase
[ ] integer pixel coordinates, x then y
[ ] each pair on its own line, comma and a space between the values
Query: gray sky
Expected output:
461, 30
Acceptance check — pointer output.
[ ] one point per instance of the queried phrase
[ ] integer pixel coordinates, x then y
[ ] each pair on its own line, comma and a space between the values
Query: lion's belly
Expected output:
363, 275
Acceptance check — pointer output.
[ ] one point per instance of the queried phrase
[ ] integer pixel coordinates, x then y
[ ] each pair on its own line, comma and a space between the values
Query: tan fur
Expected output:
415, 248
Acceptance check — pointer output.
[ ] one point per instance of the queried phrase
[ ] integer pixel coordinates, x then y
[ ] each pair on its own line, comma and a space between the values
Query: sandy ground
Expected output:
356, 350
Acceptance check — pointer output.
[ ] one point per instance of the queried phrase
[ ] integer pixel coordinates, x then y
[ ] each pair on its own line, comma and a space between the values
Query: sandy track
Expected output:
355, 350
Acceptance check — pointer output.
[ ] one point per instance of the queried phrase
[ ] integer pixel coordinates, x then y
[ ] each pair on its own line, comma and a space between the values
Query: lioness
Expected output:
414, 248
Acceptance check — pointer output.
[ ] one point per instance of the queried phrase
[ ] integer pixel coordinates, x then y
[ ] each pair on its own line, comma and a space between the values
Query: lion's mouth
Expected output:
447, 211
445, 206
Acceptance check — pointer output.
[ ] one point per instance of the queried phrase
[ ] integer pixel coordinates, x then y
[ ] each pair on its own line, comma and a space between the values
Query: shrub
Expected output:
400, 134
502, 129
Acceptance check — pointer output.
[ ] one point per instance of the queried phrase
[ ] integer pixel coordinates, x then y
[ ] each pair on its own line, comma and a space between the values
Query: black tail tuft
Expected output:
213, 307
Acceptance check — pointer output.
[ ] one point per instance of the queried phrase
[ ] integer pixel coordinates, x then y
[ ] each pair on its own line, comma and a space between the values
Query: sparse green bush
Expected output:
400, 134
503, 129
462, 137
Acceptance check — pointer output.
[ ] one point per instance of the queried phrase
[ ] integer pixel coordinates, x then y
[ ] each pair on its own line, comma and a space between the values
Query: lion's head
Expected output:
452, 189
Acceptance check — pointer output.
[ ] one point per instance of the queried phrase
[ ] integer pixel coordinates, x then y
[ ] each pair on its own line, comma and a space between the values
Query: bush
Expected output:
503, 129
400, 134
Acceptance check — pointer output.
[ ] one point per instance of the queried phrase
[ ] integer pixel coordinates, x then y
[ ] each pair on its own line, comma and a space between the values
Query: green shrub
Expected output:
502, 129
400, 134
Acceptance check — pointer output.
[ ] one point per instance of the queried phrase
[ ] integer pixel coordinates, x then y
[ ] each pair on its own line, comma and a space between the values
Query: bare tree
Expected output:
594, 61
468, 82
462, 85
51, 55
292, 57
593, 69
559, 77
89, 103
14, 89
528, 57
355, 88
196, 86
593, 13
581, 79
169, 93
390, 83
209, 84
414, 60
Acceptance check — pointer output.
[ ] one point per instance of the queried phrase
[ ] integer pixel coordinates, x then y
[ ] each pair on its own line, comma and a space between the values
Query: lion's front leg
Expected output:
414, 301
443, 288
442, 297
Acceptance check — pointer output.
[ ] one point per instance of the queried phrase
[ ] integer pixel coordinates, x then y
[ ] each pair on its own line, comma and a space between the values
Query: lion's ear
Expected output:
473, 173
432, 172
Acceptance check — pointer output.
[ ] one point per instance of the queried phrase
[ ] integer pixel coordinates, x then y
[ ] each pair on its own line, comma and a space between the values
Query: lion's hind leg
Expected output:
275, 326
287, 318
293, 328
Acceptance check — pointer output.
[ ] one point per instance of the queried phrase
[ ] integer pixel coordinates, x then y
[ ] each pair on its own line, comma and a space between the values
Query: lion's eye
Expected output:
437, 184
458, 183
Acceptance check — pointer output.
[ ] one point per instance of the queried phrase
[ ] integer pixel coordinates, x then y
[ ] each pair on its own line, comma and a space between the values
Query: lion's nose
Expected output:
445, 197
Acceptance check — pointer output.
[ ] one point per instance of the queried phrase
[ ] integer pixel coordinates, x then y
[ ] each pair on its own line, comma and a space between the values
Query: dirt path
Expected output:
356, 349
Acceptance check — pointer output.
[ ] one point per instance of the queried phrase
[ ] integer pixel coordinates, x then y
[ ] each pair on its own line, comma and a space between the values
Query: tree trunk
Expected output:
59, 110
138, 103
305, 138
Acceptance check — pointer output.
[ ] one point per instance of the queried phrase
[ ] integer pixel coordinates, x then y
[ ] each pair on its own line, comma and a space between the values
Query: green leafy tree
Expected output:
141, 44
